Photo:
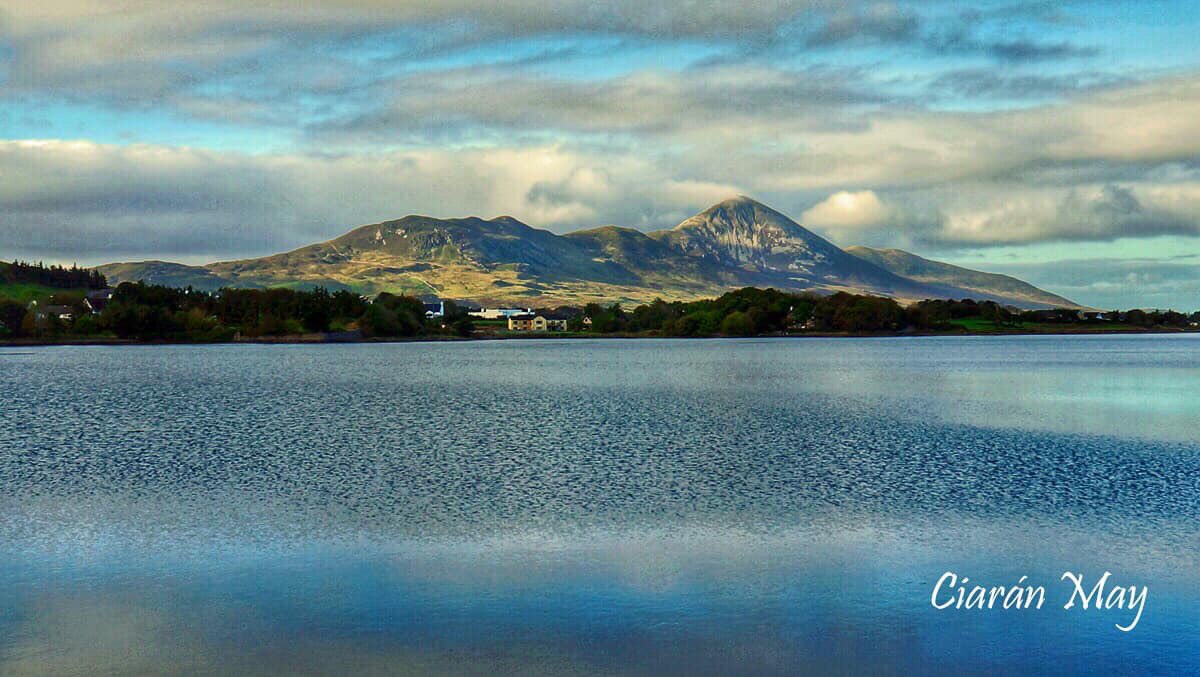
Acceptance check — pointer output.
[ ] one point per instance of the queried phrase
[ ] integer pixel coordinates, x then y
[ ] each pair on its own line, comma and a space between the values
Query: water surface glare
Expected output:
596, 506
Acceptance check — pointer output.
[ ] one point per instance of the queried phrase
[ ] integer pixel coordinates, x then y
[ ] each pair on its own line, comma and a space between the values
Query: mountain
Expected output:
169, 274
736, 243
773, 250
982, 285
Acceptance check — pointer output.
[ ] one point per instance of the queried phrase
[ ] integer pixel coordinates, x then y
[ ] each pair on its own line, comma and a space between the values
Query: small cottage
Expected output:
97, 300
536, 322
437, 309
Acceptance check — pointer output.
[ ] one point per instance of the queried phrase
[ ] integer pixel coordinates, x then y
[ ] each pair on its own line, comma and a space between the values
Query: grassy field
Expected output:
975, 324
1090, 326
25, 292
978, 325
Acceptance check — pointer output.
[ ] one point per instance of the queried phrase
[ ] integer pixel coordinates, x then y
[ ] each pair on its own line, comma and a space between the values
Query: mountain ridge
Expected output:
735, 243
988, 285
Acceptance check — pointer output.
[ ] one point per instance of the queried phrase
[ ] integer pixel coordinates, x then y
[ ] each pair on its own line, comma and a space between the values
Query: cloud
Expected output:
881, 22
1123, 162
94, 202
795, 130
1085, 213
704, 17
1029, 50
1134, 128
387, 108
967, 34
846, 210
990, 83
979, 215
140, 51
273, 62
1113, 283
477, 101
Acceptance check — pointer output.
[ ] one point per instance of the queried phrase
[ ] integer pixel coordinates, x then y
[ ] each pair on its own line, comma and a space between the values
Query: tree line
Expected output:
58, 277
752, 311
154, 312
140, 311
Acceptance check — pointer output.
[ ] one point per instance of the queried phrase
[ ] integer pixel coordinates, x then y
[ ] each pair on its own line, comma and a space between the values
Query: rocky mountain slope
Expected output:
772, 249
983, 285
736, 243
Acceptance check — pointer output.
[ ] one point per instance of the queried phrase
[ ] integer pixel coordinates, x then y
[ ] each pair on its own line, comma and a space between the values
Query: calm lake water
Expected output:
609, 506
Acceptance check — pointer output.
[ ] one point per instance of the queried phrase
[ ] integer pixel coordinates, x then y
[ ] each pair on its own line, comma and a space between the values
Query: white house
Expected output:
499, 313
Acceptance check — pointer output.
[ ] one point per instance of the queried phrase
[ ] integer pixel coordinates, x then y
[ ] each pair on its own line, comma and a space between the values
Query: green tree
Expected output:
11, 316
85, 325
737, 323
409, 313
316, 309
464, 326
381, 321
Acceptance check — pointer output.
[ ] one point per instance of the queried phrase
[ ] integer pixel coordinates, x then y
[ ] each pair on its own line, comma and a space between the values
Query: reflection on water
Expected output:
595, 506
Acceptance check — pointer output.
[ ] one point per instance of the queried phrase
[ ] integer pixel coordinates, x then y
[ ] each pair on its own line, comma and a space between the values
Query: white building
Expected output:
499, 313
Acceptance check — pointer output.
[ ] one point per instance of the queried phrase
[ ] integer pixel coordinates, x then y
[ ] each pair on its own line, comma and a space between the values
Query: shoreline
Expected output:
317, 340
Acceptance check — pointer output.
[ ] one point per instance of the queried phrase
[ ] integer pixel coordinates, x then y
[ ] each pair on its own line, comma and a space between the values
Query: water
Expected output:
612, 506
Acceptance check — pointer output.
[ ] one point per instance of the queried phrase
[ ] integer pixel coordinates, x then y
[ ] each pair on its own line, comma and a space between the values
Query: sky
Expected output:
1055, 141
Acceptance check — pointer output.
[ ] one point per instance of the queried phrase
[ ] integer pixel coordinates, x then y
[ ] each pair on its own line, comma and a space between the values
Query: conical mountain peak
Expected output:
744, 232
740, 210
741, 202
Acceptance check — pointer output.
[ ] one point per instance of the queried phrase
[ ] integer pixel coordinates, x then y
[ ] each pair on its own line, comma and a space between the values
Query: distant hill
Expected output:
169, 274
735, 243
983, 285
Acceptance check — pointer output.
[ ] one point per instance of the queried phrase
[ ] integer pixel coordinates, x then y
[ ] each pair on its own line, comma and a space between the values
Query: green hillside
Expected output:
981, 284
23, 282
25, 292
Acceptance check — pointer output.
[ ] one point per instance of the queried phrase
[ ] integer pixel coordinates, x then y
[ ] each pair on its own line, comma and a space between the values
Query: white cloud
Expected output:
848, 210
376, 122
996, 215
95, 202
643, 148
814, 131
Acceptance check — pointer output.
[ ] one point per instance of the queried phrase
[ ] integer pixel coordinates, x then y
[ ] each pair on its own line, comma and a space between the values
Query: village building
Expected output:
537, 322
499, 313
97, 300
44, 312
437, 309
